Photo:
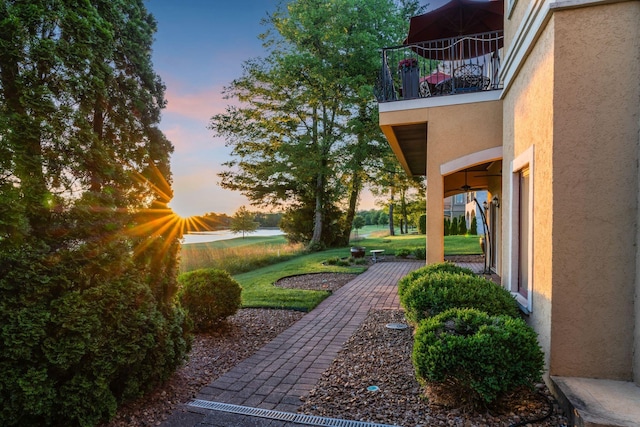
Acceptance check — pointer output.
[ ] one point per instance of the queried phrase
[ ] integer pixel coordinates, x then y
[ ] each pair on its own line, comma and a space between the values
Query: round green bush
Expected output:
403, 252
434, 293
209, 296
420, 253
449, 267
466, 357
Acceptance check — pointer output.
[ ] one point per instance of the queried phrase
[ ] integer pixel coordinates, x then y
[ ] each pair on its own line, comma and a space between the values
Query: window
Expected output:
521, 229
523, 232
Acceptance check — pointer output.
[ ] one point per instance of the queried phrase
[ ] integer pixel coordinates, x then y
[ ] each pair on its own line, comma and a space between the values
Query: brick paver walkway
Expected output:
288, 367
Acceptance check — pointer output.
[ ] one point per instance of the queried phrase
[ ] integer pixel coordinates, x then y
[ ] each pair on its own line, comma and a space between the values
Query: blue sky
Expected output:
199, 49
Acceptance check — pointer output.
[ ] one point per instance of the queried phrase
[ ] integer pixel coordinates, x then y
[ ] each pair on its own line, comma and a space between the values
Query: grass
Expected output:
237, 255
462, 245
258, 262
259, 291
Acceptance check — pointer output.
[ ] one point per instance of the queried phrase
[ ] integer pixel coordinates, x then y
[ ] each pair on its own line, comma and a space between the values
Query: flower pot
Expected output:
410, 82
357, 252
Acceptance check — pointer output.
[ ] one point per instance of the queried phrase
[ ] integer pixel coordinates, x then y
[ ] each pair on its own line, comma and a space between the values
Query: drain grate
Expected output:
311, 420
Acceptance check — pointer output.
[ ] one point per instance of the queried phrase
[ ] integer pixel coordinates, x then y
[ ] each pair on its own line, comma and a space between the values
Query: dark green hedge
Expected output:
434, 293
78, 335
471, 358
449, 267
209, 296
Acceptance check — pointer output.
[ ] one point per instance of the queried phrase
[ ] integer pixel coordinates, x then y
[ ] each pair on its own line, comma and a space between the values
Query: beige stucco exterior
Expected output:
561, 102
453, 131
570, 111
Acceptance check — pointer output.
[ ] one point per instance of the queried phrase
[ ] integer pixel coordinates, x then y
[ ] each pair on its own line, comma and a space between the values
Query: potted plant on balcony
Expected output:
410, 76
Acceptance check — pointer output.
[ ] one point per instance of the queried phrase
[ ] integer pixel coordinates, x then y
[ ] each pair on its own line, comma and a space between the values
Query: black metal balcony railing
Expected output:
441, 67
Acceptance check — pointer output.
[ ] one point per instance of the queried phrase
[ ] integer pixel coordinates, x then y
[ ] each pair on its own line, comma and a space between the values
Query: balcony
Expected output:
451, 66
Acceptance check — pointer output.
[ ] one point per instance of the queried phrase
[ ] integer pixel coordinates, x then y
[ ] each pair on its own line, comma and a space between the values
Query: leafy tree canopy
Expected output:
304, 134
243, 222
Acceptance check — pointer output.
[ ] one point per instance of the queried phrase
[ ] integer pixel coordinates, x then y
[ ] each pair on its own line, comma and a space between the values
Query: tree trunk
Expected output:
403, 208
318, 217
356, 188
392, 230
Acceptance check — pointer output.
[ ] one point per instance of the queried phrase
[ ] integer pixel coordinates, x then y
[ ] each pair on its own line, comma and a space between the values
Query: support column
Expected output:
435, 216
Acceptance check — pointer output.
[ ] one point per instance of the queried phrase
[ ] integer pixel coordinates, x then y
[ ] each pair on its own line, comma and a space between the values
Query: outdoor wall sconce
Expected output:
495, 202
485, 205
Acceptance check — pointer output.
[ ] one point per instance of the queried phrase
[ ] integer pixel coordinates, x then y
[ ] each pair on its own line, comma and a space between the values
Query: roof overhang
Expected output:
409, 144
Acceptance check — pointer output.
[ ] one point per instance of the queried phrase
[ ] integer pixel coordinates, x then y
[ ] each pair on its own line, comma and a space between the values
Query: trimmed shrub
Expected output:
474, 227
73, 349
446, 266
420, 253
422, 224
209, 296
467, 358
403, 252
437, 292
332, 261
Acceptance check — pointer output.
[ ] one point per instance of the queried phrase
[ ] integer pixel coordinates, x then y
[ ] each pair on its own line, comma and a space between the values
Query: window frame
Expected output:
521, 162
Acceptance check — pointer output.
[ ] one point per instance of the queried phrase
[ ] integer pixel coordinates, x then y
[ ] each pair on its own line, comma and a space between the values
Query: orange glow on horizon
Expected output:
160, 222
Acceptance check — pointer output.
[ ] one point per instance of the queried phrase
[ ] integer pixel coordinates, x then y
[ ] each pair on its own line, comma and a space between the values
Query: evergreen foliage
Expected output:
474, 226
462, 226
209, 296
422, 224
433, 293
454, 228
468, 358
87, 242
441, 267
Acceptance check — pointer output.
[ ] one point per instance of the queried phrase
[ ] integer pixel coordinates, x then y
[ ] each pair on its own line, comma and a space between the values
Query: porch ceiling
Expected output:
412, 142
473, 178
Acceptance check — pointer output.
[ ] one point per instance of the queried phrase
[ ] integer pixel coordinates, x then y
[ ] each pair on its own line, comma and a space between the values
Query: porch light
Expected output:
485, 205
495, 202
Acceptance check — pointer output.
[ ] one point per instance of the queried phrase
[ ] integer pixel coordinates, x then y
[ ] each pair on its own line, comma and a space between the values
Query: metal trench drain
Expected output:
311, 420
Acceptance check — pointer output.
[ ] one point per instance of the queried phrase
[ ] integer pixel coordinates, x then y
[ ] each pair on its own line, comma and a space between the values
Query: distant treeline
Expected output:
219, 221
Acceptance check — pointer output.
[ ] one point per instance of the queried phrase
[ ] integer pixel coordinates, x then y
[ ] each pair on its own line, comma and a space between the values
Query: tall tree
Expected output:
307, 126
87, 242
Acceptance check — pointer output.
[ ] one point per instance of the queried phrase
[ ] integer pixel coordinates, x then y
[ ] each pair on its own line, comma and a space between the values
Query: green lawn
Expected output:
258, 289
258, 262
462, 245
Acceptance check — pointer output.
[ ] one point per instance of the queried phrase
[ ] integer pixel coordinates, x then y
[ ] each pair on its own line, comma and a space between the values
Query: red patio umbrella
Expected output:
435, 78
459, 18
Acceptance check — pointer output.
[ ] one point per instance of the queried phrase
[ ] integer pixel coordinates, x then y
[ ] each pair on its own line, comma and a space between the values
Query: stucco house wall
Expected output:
571, 100
595, 173
528, 125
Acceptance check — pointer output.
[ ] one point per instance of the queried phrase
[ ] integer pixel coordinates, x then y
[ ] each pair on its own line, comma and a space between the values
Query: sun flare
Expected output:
159, 222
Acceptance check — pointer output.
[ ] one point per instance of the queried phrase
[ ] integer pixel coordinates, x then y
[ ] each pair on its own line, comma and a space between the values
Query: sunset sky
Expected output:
199, 48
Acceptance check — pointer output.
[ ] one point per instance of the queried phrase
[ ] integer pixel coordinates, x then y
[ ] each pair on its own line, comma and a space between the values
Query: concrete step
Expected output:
592, 402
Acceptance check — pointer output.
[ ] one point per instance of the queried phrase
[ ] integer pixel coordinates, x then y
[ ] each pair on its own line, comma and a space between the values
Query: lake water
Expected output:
214, 236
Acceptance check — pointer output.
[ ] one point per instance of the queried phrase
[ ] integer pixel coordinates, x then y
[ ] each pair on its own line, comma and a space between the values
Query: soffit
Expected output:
412, 142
